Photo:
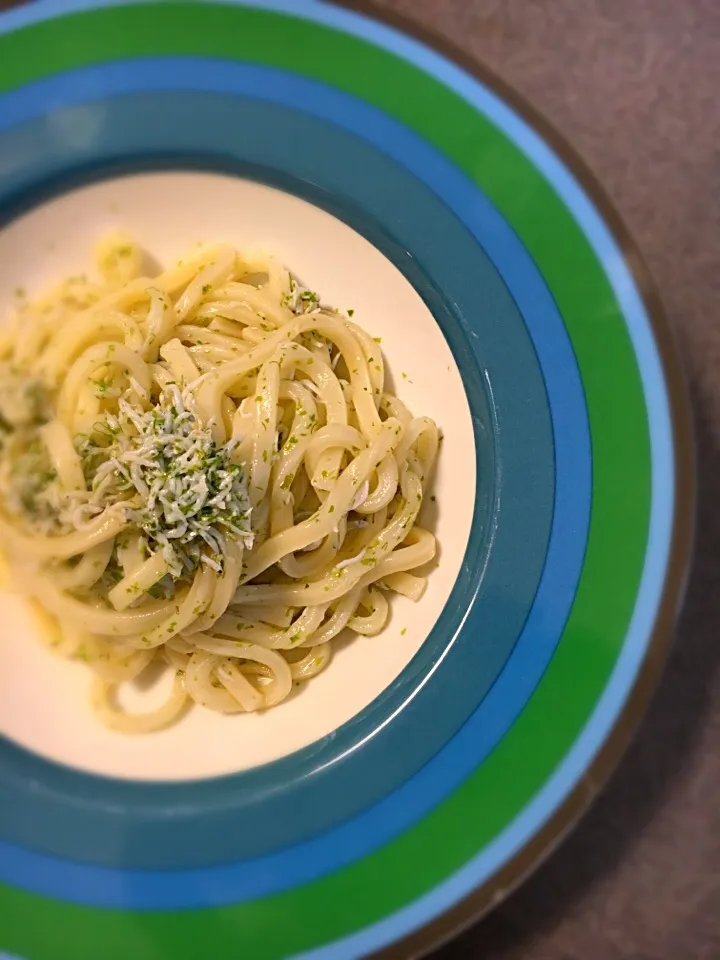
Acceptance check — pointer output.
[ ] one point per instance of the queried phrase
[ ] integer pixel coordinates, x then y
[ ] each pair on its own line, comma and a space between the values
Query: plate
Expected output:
405, 791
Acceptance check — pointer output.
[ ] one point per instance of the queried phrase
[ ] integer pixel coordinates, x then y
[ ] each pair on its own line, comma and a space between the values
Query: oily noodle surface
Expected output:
204, 469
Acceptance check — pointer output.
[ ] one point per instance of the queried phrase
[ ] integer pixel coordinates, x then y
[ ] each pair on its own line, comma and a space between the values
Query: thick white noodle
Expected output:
336, 470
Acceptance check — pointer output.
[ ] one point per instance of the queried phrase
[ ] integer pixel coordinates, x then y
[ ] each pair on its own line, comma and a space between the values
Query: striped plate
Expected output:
431, 803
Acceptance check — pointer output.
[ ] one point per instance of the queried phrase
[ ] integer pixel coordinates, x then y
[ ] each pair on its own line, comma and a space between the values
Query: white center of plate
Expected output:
43, 698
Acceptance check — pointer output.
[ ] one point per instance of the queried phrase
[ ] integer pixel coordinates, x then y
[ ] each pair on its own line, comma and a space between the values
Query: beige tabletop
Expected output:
635, 85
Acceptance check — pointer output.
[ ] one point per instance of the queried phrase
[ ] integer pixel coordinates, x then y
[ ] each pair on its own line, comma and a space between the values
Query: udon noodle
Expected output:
204, 469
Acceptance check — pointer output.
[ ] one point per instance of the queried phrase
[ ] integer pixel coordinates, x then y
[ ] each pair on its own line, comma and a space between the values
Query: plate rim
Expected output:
484, 898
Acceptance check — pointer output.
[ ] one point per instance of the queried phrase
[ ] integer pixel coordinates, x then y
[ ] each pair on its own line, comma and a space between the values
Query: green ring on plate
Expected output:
458, 828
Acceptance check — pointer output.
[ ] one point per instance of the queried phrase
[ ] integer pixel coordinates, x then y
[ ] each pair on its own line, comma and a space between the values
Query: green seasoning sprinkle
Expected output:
300, 300
207, 287
403, 631
102, 386
351, 313
192, 495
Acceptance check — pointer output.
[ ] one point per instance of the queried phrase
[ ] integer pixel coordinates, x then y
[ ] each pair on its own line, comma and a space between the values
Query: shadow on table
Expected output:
661, 751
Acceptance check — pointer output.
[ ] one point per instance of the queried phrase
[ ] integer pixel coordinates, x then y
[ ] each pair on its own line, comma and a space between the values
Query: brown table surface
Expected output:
635, 85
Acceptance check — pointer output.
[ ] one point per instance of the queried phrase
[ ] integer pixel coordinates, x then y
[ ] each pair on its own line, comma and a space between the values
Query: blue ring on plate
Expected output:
568, 348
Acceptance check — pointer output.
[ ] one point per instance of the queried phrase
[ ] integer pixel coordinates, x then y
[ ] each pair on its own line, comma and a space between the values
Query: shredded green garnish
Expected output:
177, 485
